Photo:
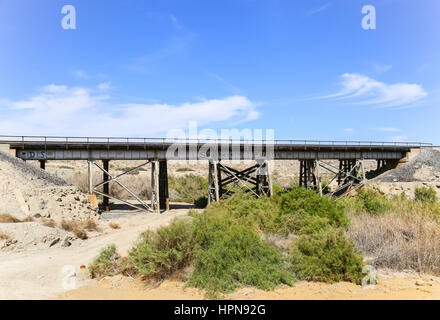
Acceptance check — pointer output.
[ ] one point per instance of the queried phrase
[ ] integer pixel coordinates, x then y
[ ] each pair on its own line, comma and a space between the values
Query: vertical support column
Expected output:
307, 174
213, 182
318, 176
105, 200
90, 176
164, 199
362, 168
219, 180
155, 205
43, 164
264, 179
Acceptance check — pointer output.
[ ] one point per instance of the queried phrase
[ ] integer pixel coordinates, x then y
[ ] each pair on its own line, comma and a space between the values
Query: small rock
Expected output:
66, 242
423, 283
42, 205
54, 242
46, 215
36, 215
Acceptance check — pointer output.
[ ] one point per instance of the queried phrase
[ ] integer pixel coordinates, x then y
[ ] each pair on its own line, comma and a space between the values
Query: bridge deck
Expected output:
92, 148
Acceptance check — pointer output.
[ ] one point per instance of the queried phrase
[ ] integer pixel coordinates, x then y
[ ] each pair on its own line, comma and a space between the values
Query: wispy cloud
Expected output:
318, 10
381, 67
388, 129
63, 110
399, 138
177, 44
226, 83
361, 89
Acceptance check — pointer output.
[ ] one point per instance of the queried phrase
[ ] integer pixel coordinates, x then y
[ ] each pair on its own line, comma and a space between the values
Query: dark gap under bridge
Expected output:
314, 157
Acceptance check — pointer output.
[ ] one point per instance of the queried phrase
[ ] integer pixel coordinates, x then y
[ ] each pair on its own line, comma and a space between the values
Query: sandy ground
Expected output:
39, 274
402, 286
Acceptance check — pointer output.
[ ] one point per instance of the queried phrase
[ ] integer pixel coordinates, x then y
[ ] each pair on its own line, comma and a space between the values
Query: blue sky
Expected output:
306, 69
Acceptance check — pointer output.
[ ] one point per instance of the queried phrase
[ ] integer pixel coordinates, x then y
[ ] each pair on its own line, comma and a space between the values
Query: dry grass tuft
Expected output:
7, 218
90, 225
28, 219
48, 222
401, 241
80, 233
68, 225
75, 227
114, 225
4, 236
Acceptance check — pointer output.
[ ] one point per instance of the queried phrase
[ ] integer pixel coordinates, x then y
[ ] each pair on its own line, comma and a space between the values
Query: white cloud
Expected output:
318, 10
399, 138
380, 67
388, 129
349, 130
63, 110
362, 89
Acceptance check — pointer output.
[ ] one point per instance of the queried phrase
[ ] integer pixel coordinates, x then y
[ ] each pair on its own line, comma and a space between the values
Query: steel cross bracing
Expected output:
223, 179
349, 175
94, 188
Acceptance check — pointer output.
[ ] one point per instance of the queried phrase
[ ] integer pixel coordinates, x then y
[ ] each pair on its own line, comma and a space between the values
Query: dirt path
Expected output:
39, 274
390, 286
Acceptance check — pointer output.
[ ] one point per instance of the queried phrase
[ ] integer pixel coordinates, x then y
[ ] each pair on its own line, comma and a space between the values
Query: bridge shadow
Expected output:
139, 207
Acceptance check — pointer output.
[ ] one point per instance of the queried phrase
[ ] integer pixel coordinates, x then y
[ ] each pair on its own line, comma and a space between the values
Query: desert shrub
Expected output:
305, 211
201, 202
161, 253
326, 256
188, 188
425, 194
106, 263
4, 236
89, 224
7, 218
48, 222
372, 201
80, 233
231, 255
402, 240
68, 225
114, 225
75, 227
259, 214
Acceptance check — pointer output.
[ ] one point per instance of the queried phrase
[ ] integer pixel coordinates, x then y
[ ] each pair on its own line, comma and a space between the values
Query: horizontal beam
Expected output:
39, 154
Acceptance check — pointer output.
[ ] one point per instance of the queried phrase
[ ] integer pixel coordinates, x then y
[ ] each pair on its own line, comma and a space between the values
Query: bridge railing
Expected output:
47, 140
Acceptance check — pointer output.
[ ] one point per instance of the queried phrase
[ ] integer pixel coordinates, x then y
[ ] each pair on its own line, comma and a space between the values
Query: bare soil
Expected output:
401, 286
38, 274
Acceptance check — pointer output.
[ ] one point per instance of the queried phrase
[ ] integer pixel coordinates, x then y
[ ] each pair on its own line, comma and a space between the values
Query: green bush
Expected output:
201, 202
188, 188
106, 263
372, 201
305, 211
326, 256
243, 208
230, 256
424, 194
161, 253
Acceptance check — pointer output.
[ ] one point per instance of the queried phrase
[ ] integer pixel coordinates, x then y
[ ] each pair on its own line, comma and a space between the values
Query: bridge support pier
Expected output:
223, 180
309, 175
213, 182
105, 187
349, 175
164, 198
155, 203
43, 164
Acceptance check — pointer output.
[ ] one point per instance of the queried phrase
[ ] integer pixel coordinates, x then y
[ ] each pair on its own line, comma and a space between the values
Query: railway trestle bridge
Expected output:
314, 157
